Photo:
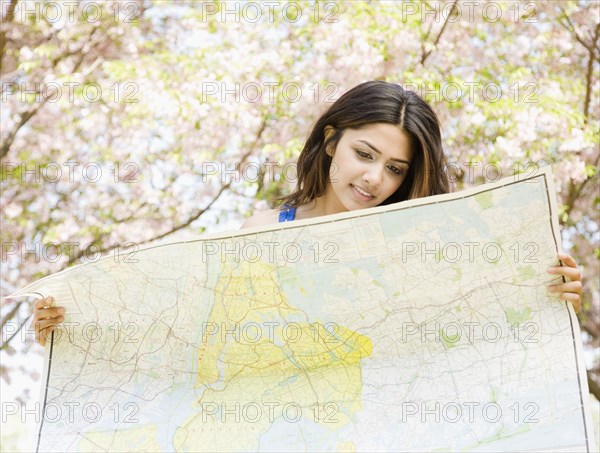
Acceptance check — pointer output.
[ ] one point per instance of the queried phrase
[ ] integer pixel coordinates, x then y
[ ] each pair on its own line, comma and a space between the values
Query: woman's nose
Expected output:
373, 175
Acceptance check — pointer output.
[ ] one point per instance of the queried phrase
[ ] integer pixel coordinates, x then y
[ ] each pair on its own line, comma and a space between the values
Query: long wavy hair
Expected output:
368, 103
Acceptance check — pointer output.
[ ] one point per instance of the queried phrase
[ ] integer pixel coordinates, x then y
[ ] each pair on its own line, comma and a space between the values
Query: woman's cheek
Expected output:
333, 172
394, 186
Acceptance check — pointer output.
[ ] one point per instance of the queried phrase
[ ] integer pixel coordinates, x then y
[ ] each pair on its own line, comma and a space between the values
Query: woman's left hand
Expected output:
571, 290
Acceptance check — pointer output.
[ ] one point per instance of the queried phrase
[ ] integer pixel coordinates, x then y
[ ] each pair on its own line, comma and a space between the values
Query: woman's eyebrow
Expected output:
379, 152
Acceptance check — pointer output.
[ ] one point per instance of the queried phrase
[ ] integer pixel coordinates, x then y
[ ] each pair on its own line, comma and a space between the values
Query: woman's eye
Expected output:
363, 154
396, 170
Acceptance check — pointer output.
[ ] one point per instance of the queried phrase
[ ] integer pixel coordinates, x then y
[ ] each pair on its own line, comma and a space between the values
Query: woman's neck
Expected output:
325, 204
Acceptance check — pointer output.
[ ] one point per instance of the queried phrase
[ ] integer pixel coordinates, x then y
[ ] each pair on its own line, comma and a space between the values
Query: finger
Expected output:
40, 314
43, 335
567, 259
571, 273
43, 303
569, 287
47, 313
40, 303
575, 299
45, 323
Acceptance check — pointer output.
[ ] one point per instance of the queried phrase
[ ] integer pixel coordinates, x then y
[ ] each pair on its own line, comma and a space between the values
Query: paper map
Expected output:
421, 326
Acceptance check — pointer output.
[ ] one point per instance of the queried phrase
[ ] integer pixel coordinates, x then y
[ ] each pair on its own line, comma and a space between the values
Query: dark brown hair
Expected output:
369, 103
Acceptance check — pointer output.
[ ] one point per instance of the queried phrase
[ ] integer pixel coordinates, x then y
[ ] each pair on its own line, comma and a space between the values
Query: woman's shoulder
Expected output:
266, 217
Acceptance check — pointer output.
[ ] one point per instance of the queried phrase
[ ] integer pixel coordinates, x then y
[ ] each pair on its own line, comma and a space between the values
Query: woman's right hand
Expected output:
46, 318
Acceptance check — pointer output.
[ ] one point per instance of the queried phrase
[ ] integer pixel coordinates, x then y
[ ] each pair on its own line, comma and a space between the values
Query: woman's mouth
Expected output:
361, 193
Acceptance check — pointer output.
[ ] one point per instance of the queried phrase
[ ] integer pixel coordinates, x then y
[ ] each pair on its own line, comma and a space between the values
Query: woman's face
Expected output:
368, 165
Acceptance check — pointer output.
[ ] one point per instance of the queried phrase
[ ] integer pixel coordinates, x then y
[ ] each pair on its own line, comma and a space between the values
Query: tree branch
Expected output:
27, 115
425, 55
574, 191
591, 47
5, 345
10, 314
10, 15
224, 187
570, 27
24, 118
190, 219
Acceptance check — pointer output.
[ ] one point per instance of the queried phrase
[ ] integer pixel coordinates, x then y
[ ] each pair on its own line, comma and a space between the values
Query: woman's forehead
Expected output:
387, 139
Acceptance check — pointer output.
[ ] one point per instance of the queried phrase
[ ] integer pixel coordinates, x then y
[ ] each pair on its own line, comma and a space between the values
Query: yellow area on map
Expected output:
297, 370
346, 447
142, 438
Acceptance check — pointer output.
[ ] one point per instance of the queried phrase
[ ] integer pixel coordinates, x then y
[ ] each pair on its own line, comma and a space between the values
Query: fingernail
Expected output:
61, 310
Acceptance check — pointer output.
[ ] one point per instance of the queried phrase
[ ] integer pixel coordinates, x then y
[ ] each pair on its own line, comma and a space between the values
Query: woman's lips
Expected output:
360, 193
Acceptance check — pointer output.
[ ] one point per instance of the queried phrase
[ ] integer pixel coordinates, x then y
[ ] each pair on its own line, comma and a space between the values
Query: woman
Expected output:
377, 144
